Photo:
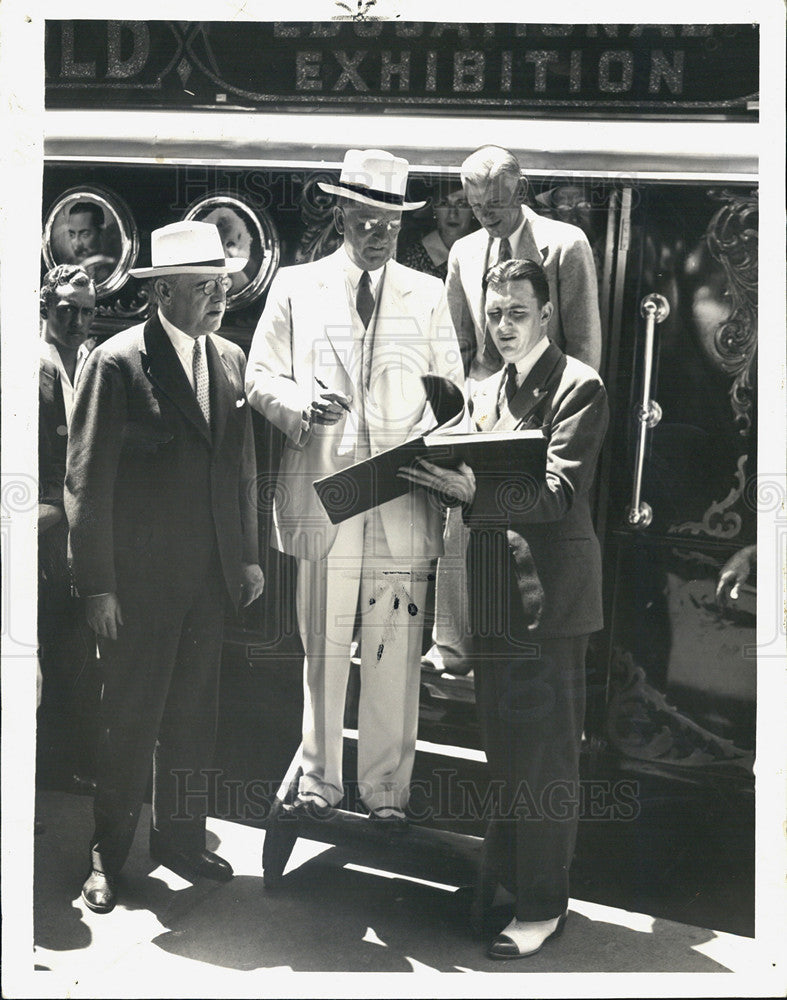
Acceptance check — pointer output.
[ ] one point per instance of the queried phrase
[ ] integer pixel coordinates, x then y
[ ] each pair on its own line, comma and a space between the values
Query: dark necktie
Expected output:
364, 300
511, 386
504, 250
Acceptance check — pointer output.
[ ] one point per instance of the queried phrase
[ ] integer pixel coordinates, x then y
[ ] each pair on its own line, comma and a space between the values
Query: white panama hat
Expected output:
373, 177
187, 248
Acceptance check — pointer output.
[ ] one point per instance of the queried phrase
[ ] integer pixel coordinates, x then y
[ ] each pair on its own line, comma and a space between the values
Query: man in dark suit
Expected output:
535, 566
66, 737
159, 497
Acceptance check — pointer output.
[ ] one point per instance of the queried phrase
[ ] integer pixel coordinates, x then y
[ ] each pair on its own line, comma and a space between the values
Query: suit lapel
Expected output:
162, 366
335, 310
545, 372
529, 241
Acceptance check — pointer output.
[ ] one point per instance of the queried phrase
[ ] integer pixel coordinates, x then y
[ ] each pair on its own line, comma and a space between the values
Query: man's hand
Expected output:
327, 408
253, 580
103, 615
48, 516
455, 486
734, 573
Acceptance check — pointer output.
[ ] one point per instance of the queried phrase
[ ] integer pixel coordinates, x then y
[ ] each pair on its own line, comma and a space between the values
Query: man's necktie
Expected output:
504, 250
364, 300
199, 367
511, 385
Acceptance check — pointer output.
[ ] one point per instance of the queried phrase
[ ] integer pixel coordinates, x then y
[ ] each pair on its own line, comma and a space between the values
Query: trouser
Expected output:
451, 616
68, 715
159, 701
360, 572
531, 710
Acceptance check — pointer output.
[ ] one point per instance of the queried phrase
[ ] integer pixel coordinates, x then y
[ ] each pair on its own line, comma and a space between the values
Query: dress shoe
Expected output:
99, 892
312, 805
191, 864
530, 938
388, 819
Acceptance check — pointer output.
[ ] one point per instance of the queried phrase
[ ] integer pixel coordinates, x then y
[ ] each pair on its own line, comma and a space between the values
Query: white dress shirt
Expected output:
184, 346
513, 239
352, 276
49, 352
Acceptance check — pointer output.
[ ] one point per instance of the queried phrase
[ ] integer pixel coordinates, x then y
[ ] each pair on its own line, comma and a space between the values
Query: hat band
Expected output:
216, 262
385, 196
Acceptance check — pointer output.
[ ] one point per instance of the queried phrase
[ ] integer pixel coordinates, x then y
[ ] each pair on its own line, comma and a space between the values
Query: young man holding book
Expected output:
535, 597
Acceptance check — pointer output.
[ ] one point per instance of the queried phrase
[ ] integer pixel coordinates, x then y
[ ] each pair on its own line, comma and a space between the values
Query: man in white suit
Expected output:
494, 187
336, 364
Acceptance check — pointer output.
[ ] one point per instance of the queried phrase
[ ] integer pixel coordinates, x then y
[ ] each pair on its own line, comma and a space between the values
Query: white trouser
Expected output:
392, 596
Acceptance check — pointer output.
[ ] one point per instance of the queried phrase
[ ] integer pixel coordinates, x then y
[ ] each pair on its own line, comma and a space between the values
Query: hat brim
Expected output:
343, 192
231, 265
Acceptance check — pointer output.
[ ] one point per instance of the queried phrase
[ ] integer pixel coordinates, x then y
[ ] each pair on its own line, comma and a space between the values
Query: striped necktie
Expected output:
199, 367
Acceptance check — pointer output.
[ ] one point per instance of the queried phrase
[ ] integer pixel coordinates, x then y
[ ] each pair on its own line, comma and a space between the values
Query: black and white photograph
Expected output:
401, 606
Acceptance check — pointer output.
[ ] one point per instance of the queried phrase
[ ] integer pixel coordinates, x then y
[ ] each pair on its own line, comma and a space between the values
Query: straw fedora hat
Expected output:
187, 248
373, 177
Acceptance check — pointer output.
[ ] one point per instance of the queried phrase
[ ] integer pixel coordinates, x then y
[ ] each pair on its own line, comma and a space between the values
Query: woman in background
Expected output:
454, 219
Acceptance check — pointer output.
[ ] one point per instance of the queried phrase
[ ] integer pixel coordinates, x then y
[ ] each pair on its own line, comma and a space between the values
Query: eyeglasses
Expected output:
388, 225
213, 284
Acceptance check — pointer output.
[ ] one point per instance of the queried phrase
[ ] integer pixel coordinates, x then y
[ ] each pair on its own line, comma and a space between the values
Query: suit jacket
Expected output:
565, 254
567, 399
304, 334
150, 488
52, 434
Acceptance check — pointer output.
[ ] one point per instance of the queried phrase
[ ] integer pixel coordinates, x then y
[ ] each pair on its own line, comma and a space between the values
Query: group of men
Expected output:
160, 495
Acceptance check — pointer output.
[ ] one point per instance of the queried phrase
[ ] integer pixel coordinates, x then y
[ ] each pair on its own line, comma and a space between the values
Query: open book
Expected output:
374, 481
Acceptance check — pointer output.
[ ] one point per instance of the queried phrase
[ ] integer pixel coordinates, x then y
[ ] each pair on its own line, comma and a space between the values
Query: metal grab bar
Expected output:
655, 309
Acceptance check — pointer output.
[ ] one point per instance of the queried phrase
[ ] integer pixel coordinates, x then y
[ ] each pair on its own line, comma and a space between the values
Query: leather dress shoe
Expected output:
388, 820
191, 864
312, 805
99, 893
505, 947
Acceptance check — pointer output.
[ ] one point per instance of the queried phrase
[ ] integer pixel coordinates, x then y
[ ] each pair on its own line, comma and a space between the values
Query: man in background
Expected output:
495, 189
67, 716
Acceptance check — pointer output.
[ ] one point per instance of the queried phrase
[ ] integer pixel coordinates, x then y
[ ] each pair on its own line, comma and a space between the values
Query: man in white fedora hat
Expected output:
336, 364
159, 497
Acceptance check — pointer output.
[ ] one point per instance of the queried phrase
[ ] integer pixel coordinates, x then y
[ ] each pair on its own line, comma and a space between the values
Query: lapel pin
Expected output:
240, 402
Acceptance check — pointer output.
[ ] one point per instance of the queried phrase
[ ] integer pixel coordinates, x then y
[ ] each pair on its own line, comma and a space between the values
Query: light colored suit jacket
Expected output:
305, 334
565, 254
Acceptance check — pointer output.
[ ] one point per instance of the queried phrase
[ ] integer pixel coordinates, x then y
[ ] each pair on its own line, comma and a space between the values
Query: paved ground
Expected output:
170, 938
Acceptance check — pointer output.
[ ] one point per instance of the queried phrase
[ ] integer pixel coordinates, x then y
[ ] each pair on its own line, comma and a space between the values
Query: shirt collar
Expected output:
49, 352
182, 342
526, 364
353, 272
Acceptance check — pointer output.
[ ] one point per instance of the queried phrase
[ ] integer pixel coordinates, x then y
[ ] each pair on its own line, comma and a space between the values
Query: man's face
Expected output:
516, 321
69, 315
84, 235
370, 234
496, 203
189, 308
